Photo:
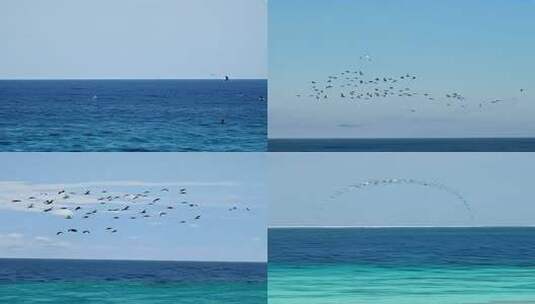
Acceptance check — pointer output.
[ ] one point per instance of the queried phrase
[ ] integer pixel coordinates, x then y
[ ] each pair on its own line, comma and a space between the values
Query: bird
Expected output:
72, 230
197, 217
86, 231
59, 232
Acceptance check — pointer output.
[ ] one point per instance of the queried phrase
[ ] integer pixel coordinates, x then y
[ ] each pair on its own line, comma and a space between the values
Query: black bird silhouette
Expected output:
59, 232
72, 230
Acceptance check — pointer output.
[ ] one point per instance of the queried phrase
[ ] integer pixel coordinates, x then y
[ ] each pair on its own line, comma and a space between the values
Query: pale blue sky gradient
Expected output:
132, 39
216, 181
497, 186
482, 49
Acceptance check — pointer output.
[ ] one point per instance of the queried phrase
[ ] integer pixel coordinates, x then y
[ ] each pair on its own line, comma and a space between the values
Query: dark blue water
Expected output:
404, 246
133, 115
91, 281
404, 145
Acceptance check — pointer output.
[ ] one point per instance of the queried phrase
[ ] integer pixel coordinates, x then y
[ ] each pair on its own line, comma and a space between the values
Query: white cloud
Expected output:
15, 241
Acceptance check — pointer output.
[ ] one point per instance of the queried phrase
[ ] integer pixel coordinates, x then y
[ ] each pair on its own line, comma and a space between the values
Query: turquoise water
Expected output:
132, 293
361, 284
32, 281
398, 266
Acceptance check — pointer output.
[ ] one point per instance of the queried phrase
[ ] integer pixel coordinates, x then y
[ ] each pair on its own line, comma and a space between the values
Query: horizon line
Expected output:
129, 78
136, 260
402, 226
390, 138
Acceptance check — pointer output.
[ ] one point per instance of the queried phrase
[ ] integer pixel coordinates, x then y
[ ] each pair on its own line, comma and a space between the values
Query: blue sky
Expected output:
482, 49
214, 181
497, 187
133, 39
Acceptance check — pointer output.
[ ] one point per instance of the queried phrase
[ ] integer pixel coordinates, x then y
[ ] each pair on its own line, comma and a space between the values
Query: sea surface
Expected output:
402, 265
133, 115
403, 145
32, 281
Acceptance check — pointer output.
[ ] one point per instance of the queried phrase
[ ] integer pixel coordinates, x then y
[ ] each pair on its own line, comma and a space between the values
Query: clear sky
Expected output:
133, 39
482, 49
214, 181
497, 186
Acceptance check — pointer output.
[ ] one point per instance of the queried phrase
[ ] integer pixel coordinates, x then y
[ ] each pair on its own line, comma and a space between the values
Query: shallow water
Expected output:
391, 265
133, 115
85, 281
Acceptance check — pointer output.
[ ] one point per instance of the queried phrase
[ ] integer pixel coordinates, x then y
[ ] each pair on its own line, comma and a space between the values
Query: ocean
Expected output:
403, 145
31, 281
402, 265
133, 115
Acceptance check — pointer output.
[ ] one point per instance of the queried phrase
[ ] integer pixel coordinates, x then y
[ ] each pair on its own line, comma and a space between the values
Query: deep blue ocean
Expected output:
133, 115
402, 265
402, 145
137, 282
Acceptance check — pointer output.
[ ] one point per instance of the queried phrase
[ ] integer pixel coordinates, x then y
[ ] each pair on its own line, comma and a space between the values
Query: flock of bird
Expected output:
88, 204
356, 85
405, 181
